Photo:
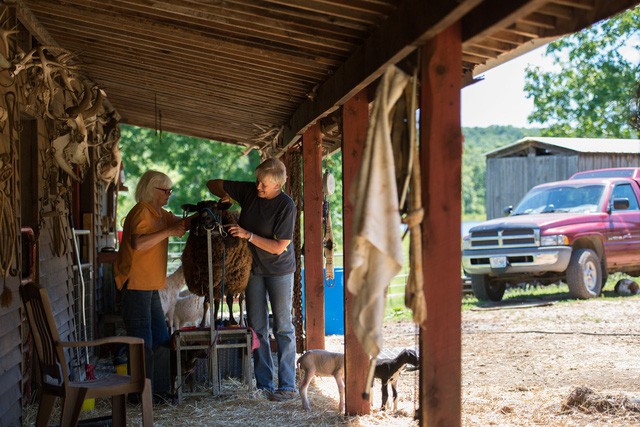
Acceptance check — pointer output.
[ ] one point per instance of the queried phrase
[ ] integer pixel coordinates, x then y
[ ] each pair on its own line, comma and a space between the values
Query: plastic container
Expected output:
333, 302
89, 404
121, 369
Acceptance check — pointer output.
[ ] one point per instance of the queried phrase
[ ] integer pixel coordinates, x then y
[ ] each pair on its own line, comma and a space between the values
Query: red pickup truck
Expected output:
577, 231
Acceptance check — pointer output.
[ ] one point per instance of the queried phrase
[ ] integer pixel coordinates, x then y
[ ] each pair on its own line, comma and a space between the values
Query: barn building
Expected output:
534, 160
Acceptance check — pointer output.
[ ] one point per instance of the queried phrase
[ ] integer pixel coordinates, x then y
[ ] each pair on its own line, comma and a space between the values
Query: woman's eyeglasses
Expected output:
167, 191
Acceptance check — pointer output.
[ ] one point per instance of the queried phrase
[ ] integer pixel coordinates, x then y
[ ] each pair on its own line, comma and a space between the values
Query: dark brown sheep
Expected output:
224, 247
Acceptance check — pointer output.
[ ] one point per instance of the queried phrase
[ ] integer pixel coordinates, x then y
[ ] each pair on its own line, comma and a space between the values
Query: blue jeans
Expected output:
144, 318
279, 290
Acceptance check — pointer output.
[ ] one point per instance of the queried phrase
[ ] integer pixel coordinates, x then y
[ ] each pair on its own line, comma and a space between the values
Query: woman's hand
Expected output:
178, 228
236, 231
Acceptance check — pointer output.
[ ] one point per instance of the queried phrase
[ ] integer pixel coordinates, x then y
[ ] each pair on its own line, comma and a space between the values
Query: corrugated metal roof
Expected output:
579, 145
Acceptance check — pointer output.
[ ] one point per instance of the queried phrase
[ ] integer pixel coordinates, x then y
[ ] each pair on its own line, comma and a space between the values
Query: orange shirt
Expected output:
146, 270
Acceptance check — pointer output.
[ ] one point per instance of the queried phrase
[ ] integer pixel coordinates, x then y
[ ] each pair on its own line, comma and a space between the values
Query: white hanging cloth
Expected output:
376, 252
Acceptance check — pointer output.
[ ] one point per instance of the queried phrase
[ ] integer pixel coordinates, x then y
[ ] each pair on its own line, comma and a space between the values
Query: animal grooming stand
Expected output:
213, 341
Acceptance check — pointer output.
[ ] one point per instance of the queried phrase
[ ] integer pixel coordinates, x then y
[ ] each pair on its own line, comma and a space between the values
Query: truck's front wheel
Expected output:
584, 274
486, 289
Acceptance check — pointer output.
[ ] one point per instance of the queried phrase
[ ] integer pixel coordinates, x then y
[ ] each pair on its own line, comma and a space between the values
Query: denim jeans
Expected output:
279, 290
144, 318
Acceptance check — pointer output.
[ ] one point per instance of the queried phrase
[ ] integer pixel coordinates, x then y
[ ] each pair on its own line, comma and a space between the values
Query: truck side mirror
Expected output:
621, 204
508, 209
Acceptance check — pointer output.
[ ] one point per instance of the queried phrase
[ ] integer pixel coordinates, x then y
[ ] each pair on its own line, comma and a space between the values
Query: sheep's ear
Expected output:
223, 206
189, 207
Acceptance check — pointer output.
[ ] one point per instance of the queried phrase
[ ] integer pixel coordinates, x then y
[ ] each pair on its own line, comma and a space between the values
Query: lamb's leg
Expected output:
395, 394
385, 395
304, 385
170, 319
371, 394
340, 381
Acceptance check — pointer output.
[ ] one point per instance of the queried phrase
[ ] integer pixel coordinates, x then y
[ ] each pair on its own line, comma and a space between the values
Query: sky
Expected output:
499, 99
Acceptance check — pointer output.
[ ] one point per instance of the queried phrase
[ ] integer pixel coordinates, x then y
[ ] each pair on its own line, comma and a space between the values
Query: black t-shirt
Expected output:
270, 218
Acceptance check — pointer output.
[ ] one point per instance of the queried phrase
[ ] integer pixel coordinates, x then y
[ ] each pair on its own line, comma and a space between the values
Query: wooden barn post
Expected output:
440, 163
355, 119
312, 201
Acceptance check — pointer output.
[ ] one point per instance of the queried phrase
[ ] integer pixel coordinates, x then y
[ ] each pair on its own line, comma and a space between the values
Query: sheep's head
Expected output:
208, 216
410, 357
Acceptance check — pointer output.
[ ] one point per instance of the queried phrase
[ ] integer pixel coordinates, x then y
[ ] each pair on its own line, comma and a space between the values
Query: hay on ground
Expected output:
586, 400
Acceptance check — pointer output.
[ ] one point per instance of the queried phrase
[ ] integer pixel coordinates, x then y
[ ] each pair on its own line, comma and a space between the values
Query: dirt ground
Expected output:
522, 360
520, 365
569, 363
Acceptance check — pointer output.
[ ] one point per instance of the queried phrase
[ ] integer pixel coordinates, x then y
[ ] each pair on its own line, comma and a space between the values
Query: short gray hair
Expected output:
274, 169
148, 183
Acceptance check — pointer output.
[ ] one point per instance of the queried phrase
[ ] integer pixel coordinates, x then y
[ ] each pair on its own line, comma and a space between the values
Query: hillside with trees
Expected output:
477, 142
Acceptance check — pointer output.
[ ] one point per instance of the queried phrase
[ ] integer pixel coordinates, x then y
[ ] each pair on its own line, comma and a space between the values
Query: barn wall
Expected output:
608, 160
39, 194
10, 358
10, 313
508, 179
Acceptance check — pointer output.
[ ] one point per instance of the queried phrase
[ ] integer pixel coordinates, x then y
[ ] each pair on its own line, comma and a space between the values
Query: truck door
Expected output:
623, 239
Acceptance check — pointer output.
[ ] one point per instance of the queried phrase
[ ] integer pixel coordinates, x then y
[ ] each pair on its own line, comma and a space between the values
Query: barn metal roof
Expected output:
564, 145
252, 72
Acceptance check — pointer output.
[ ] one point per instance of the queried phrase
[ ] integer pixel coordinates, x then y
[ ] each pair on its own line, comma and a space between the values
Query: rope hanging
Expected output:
414, 293
328, 187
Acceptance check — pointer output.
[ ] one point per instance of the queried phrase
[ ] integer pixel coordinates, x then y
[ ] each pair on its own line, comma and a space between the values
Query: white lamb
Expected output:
170, 294
321, 363
189, 311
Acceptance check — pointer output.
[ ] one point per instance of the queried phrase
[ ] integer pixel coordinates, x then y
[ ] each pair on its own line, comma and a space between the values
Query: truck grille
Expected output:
505, 238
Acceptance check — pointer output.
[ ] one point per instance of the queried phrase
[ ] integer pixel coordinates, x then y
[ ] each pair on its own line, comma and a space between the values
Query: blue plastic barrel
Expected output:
333, 302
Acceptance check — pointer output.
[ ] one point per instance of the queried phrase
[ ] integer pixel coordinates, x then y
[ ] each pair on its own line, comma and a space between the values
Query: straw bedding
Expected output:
567, 364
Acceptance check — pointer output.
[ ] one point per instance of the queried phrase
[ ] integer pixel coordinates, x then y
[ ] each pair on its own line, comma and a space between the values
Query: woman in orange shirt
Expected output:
141, 270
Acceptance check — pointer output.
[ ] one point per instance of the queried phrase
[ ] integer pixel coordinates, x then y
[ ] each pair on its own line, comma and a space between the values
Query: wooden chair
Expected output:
55, 378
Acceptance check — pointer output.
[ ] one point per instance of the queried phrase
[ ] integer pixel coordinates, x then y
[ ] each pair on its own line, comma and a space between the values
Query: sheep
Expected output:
235, 251
626, 287
388, 371
170, 294
321, 363
189, 310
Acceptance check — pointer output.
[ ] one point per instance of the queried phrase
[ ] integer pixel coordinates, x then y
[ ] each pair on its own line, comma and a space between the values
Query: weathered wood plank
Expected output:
10, 396
440, 163
414, 22
9, 339
355, 120
312, 201
9, 351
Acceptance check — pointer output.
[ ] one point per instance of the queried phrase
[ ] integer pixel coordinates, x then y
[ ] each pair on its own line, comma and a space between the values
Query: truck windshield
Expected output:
579, 199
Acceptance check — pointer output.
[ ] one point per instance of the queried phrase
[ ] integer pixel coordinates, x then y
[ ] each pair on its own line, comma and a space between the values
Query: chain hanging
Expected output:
295, 173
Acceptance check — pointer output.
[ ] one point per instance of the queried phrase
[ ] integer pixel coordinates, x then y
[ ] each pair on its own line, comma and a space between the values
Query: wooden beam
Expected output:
355, 120
440, 163
312, 202
31, 23
413, 23
493, 15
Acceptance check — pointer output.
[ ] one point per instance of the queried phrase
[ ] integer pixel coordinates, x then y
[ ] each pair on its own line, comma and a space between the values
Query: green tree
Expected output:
477, 142
591, 91
189, 161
